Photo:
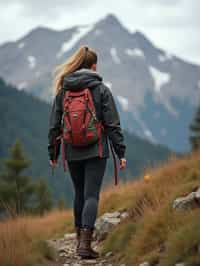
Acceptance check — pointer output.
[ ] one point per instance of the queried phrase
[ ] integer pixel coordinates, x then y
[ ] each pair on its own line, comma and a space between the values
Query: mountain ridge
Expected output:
133, 67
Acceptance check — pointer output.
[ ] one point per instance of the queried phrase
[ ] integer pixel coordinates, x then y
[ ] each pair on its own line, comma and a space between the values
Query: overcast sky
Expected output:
171, 24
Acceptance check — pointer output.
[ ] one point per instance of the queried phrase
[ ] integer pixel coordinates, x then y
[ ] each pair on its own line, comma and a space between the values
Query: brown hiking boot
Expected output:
78, 231
85, 250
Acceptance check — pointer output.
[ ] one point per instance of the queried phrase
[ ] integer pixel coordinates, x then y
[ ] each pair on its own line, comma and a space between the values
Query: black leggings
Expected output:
87, 176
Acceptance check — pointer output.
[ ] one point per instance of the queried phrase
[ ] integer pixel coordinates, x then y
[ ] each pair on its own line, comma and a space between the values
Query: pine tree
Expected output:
43, 197
195, 129
16, 189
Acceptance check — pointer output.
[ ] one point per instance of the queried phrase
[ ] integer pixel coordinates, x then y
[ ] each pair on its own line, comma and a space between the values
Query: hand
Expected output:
122, 163
53, 163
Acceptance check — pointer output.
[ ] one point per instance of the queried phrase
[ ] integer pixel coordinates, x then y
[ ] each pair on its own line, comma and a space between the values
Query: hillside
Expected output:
157, 92
153, 232
23, 116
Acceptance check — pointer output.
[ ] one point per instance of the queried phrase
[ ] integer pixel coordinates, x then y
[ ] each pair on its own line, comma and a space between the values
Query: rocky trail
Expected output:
65, 247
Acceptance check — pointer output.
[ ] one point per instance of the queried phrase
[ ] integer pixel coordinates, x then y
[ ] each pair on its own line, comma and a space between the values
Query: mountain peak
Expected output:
111, 20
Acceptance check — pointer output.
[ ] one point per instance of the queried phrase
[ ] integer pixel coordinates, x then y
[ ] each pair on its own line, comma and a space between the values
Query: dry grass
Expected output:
153, 222
184, 242
21, 238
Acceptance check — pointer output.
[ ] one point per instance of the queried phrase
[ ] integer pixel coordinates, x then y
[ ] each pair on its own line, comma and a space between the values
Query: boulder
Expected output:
106, 222
70, 236
146, 263
191, 201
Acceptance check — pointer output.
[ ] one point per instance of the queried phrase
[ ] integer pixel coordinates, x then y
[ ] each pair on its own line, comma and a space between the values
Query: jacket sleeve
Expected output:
111, 122
55, 127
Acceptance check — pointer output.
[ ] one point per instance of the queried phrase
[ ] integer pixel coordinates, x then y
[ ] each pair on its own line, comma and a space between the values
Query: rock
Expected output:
111, 214
108, 254
104, 260
180, 264
90, 261
63, 254
191, 201
70, 236
106, 222
65, 247
62, 249
102, 229
124, 215
146, 263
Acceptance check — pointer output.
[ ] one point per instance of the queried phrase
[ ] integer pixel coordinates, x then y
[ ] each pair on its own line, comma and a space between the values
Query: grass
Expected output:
183, 243
153, 232
22, 239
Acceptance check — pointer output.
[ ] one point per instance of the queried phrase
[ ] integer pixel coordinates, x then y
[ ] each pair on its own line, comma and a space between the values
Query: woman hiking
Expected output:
100, 124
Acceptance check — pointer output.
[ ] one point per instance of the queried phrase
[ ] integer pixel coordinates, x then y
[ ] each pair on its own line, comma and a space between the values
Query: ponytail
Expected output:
82, 58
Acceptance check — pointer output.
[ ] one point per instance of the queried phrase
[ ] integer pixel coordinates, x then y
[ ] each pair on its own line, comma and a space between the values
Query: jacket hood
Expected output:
82, 78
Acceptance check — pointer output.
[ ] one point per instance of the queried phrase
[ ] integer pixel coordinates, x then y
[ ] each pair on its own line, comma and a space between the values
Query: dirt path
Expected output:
66, 255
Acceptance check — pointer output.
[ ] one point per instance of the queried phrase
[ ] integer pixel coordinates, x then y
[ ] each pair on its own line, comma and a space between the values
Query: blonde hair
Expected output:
82, 58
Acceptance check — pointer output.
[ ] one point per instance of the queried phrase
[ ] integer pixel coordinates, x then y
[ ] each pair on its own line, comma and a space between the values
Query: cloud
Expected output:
171, 24
45, 8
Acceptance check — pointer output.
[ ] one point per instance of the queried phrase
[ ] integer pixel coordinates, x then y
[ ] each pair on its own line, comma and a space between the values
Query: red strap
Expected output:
115, 164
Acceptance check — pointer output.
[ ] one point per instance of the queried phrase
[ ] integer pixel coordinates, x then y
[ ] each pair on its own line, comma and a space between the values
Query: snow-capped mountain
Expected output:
156, 92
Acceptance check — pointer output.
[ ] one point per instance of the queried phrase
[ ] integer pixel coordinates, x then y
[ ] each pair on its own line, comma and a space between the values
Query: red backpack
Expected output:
80, 124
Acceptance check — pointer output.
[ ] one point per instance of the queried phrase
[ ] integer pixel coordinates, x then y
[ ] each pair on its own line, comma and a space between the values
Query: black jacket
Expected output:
106, 112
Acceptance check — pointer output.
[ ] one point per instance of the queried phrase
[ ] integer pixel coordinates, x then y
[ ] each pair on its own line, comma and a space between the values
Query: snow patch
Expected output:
22, 85
32, 61
21, 45
148, 134
165, 57
160, 78
135, 52
109, 85
171, 109
115, 57
123, 102
76, 36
